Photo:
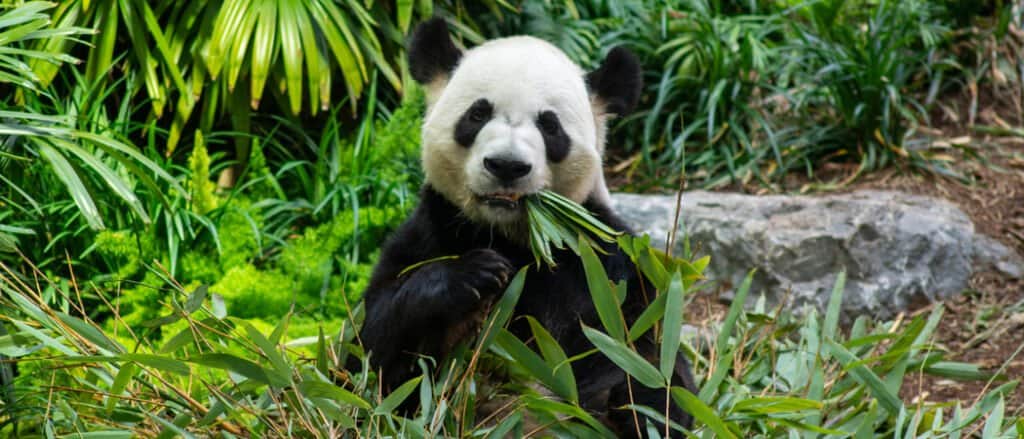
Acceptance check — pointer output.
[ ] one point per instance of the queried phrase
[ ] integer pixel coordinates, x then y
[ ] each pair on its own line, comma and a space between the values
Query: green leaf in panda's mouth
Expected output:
558, 221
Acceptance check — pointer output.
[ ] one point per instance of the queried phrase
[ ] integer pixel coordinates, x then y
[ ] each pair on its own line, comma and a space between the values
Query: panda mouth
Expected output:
502, 200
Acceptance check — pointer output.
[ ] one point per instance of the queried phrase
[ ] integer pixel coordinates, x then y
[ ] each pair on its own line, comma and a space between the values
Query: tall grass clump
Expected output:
705, 108
862, 89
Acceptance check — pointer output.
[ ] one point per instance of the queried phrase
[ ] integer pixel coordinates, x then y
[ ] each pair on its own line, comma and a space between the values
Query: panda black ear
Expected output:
431, 51
617, 83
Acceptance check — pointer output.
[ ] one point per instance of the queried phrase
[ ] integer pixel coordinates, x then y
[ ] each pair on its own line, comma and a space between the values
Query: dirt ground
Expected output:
985, 325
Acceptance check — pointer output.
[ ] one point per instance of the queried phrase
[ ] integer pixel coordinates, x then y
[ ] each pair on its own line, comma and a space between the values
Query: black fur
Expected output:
472, 121
416, 313
556, 141
618, 81
431, 51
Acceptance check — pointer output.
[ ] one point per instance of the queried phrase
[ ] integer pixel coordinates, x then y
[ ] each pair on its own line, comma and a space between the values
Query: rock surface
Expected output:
897, 249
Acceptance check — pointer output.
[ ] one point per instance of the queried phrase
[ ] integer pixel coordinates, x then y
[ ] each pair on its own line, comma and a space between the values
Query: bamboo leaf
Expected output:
397, 396
317, 389
651, 315
829, 328
403, 9
776, 404
549, 406
157, 362
240, 366
556, 360
673, 324
701, 412
281, 370
601, 293
67, 174
90, 332
196, 299
630, 361
738, 301
533, 363
121, 380
889, 401
502, 312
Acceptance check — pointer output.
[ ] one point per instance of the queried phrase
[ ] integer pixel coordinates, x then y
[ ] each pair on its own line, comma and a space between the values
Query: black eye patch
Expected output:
472, 121
556, 141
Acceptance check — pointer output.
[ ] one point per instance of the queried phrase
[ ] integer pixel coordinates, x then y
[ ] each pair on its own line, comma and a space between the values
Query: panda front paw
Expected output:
480, 274
454, 288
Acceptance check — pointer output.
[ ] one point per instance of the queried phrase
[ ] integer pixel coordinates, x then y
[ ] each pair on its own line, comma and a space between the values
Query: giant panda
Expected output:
506, 119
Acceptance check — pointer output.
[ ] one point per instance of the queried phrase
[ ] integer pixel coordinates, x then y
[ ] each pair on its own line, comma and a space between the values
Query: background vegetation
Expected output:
178, 177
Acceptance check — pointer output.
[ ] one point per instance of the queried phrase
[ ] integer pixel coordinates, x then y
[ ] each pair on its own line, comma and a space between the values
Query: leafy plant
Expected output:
222, 55
865, 77
81, 159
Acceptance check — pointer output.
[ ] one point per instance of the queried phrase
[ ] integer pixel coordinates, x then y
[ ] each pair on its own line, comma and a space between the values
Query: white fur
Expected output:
521, 77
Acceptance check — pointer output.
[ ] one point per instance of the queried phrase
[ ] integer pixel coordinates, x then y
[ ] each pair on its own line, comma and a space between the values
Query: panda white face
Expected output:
507, 119
514, 118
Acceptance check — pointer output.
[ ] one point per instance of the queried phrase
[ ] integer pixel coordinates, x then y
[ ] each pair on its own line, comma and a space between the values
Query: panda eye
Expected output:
548, 123
480, 113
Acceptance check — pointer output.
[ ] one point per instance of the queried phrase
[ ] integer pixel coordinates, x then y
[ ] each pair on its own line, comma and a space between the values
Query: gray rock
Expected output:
897, 249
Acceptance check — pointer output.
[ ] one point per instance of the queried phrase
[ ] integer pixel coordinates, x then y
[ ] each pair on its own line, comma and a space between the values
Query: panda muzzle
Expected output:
505, 200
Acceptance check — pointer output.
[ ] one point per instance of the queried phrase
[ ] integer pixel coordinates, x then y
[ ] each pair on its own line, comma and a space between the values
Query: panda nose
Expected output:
507, 170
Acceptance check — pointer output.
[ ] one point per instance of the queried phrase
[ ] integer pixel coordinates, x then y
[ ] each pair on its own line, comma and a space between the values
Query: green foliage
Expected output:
312, 259
121, 250
768, 373
238, 230
258, 174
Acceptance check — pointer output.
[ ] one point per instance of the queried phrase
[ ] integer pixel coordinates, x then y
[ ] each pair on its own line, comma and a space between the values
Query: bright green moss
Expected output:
199, 266
251, 292
238, 230
142, 301
120, 250
350, 236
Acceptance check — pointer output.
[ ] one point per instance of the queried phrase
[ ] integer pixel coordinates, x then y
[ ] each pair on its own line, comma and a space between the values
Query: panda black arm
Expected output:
414, 313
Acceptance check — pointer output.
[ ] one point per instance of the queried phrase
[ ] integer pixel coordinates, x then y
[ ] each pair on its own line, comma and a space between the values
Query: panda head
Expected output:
512, 117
